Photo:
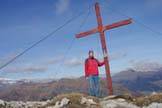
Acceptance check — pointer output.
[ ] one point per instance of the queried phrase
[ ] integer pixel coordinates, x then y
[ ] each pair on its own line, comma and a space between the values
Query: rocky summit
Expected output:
77, 100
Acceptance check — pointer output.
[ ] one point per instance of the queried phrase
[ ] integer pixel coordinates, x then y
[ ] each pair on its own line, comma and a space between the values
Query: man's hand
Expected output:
101, 63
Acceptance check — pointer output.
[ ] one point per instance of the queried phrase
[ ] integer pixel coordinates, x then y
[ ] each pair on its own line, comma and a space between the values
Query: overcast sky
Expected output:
23, 22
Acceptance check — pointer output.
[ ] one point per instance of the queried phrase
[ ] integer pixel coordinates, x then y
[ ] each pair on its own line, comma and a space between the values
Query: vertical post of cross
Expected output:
104, 48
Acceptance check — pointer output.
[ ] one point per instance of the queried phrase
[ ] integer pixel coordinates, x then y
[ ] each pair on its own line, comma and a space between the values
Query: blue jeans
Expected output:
94, 85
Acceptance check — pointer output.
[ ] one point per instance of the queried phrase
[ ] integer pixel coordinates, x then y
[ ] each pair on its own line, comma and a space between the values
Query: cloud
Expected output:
42, 66
22, 67
73, 62
77, 61
53, 60
146, 65
6, 58
62, 6
117, 55
68, 61
113, 56
31, 68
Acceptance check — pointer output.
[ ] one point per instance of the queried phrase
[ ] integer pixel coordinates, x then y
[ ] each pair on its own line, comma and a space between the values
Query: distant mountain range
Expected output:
29, 90
137, 81
125, 82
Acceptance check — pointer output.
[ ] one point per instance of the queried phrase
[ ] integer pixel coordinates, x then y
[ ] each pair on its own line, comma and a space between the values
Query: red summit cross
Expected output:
101, 29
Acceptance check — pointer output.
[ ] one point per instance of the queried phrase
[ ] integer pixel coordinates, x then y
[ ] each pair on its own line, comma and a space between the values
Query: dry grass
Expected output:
146, 100
75, 100
140, 101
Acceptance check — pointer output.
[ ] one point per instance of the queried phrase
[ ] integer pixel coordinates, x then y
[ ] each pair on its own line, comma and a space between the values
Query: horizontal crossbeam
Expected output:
83, 34
118, 24
108, 27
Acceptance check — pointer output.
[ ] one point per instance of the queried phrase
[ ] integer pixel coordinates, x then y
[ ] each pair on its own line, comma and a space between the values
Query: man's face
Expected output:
91, 54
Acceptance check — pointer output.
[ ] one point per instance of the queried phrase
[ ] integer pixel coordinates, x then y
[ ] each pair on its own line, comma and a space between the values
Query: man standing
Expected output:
92, 73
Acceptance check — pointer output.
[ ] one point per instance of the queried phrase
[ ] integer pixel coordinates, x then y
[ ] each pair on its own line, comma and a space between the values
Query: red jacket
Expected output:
91, 66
